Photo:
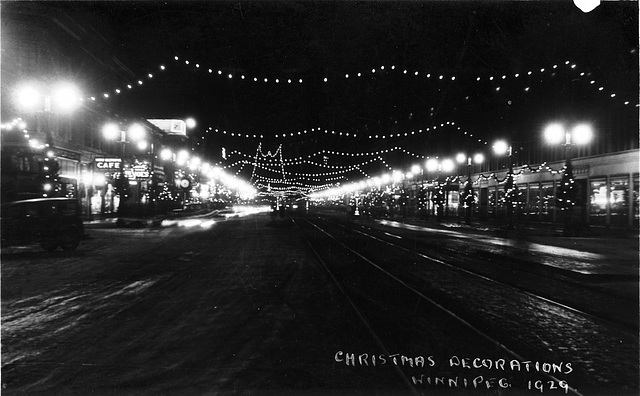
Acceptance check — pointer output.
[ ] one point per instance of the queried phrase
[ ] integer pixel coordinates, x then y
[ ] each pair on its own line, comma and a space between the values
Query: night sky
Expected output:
107, 45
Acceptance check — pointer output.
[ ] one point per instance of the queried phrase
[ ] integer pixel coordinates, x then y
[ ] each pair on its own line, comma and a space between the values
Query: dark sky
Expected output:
111, 44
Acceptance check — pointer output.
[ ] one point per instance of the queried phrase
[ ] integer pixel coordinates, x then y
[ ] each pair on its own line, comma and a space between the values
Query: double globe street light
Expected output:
468, 198
568, 136
434, 165
42, 100
134, 134
501, 147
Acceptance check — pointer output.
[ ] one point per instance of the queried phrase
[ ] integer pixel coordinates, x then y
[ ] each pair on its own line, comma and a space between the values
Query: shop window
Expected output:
635, 199
618, 199
548, 197
24, 163
453, 199
491, 200
501, 197
598, 201
533, 203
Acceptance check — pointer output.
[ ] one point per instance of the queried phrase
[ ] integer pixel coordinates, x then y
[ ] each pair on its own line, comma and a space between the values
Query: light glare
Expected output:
66, 97
582, 134
111, 131
28, 98
136, 132
448, 165
554, 133
500, 147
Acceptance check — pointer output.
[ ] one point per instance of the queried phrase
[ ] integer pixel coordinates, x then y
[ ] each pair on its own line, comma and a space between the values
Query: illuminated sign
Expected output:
108, 163
171, 127
111, 168
137, 172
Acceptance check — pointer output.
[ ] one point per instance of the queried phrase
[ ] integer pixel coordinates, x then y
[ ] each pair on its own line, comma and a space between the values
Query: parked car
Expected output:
50, 222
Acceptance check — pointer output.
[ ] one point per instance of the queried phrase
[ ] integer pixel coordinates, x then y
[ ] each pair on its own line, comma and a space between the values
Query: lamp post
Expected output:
468, 199
45, 100
510, 189
135, 133
446, 165
557, 133
62, 97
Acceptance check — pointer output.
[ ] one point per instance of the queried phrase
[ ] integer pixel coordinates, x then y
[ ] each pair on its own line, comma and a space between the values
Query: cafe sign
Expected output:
111, 168
108, 163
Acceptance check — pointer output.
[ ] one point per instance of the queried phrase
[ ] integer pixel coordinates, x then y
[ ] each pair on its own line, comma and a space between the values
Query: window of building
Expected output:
598, 201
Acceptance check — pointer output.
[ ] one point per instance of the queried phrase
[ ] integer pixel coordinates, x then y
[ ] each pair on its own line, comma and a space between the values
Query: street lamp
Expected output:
166, 154
62, 97
433, 165
557, 133
468, 197
501, 147
134, 134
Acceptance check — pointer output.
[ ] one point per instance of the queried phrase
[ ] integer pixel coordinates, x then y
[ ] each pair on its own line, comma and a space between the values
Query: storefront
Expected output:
135, 193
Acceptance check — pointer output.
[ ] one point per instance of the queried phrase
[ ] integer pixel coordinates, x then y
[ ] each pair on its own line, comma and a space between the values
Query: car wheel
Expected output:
70, 240
49, 246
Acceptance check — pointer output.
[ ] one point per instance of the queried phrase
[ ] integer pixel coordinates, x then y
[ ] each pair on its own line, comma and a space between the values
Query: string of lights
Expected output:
300, 160
333, 132
373, 72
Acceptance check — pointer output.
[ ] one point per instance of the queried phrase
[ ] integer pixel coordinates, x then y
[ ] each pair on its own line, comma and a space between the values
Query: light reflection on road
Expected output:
506, 242
206, 221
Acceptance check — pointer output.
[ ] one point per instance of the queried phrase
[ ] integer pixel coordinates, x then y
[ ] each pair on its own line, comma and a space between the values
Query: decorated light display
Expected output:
495, 82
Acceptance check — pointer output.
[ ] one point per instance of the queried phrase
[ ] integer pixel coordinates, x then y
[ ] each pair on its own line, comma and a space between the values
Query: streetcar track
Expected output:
364, 321
413, 290
620, 326
545, 270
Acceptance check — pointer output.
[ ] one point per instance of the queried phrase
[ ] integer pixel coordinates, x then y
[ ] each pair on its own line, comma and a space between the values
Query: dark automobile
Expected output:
50, 222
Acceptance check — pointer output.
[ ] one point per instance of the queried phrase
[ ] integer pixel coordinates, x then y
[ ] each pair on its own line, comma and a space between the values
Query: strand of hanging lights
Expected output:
376, 72
433, 128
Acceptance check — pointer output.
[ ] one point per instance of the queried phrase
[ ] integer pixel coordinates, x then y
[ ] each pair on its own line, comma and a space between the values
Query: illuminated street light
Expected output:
111, 131
135, 134
432, 164
28, 98
194, 163
166, 154
579, 134
397, 177
501, 147
556, 133
468, 197
191, 123
446, 165
66, 97
142, 145
182, 157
